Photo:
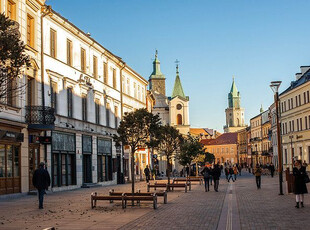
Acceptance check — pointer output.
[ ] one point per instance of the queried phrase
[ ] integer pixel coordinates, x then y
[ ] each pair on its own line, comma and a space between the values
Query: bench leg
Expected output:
95, 200
155, 202
186, 188
165, 198
91, 201
148, 187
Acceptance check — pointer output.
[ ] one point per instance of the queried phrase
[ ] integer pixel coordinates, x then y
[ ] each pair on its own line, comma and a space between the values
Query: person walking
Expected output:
272, 169
258, 174
216, 173
147, 174
206, 172
226, 173
300, 175
41, 180
235, 172
240, 169
231, 174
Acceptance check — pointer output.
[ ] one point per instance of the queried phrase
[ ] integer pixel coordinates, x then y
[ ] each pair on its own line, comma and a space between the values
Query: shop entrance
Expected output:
34, 161
87, 168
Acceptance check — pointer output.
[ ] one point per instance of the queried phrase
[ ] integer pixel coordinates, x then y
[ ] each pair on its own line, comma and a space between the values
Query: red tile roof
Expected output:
225, 138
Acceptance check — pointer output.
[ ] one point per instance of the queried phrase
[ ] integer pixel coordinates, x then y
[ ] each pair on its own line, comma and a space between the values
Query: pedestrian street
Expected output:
237, 205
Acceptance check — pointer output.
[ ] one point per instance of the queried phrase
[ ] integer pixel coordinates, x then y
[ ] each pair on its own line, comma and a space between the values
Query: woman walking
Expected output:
206, 172
300, 175
258, 174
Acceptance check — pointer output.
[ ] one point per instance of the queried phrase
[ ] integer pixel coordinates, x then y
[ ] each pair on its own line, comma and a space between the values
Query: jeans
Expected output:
216, 185
230, 176
211, 179
41, 193
235, 175
207, 184
258, 181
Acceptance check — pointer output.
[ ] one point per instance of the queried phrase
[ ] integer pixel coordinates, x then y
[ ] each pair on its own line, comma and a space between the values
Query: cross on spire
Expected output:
177, 65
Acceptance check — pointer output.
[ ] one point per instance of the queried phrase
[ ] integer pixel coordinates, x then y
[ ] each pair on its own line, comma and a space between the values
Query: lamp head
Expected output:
274, 85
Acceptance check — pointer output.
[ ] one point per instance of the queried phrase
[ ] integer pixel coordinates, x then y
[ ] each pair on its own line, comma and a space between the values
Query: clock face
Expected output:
179, 106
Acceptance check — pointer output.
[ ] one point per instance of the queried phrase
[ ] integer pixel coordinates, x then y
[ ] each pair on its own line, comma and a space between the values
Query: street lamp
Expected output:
274, 85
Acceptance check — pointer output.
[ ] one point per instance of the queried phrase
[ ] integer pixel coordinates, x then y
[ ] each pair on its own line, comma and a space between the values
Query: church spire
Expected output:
156, 68
177, 89
261, 108
234, 96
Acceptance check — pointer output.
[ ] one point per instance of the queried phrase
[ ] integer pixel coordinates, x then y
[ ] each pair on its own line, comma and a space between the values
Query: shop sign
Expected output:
11, 136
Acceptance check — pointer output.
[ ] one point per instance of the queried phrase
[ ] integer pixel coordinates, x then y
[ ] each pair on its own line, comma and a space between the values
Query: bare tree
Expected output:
12, 59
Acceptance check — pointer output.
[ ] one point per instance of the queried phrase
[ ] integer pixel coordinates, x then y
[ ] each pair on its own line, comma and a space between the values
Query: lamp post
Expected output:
274, 85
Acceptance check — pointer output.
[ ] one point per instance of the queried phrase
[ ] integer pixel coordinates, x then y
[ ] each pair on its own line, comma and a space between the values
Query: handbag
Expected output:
306, 178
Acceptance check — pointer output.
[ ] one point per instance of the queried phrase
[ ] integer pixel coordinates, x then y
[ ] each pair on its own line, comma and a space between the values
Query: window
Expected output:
139, 93
290, 125
95, 67
289, 104
123, 84
83, 60
114, 78
53, 43
300, 121
306, 123
97, 111
69, 52
116, 116
300, 152
293, 125
296, 101
10, 93
70, 102
292, 103
297, 124
108, 114
285, 155
308, 154
11, 10
308, 98
299, 100
292, 152
135, 90
128, 86
105, 73
179, 119
30, 91
30, 30
84, 108
54, 96
305, 98
142, 95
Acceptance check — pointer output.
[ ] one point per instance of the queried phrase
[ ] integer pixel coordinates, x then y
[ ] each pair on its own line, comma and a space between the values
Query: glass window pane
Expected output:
9, 162
2, 161
16, 161
63, 169
55, 169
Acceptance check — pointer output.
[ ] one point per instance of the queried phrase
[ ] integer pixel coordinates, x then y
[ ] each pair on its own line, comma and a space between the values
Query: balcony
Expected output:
40, 117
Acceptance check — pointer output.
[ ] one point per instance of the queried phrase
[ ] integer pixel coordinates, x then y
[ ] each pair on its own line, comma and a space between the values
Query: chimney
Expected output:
304, 69
298, 75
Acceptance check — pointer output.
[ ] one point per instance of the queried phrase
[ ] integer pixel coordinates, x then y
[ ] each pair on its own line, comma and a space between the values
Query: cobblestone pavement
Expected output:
237, 205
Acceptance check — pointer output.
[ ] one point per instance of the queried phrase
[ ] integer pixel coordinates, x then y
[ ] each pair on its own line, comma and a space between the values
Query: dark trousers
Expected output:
211, 179
231, 176
271, 172
41, 193
258, 181
216, 185
147, 178
235, 175
207, 186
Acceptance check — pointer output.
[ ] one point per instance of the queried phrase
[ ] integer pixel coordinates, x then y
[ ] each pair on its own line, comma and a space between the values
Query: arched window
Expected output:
230, 122
179, 119
238, 122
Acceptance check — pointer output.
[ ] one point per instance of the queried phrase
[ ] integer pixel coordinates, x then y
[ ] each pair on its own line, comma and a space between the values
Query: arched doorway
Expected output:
179, 119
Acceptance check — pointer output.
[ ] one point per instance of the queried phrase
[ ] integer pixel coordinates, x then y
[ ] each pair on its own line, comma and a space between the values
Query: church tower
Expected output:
179, 106
234, 112
157, 79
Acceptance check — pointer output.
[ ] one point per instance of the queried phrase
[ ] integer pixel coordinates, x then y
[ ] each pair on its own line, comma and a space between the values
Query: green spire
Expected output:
261, 109
178, 89
234, 96
156, 68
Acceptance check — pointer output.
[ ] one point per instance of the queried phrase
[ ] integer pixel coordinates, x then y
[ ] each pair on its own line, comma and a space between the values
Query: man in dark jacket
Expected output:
271, 168
147, 174
41, 180
216, 172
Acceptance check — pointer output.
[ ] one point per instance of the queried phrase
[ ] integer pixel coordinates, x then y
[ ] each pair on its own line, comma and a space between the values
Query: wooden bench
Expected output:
188, 182
157, 185
158, 193
123, 198
178, 186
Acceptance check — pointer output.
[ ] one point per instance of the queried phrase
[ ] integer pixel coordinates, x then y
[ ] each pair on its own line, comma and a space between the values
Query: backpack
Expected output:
206, 174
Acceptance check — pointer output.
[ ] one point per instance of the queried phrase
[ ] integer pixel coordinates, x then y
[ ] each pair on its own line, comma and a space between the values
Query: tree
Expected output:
169, 143
135, 130
12, 59
191, 149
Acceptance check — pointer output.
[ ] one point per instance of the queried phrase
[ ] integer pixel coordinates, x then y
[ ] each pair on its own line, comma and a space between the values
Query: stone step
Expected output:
90, 185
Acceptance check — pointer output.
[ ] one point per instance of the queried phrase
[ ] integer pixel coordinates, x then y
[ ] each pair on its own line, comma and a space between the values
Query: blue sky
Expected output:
256, 41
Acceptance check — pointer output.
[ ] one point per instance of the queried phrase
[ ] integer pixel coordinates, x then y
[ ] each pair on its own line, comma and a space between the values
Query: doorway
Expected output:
118, 170
87, 168
34, 161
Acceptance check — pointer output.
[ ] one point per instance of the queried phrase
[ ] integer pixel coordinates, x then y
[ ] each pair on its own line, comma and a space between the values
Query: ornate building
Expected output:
234, 112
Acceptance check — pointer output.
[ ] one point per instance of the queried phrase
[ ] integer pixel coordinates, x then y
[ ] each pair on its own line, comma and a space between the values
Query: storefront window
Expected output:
9, 161
2, 160
104, 163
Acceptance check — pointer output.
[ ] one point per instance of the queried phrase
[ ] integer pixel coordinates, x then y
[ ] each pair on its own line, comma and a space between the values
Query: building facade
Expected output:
234, 112
242, 146
224, 148
295, 119
256, 139
274, 136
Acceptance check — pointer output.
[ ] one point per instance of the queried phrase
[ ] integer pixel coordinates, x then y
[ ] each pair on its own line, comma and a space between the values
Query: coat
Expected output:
41, 179
258, 171
299, 183
216, 172
147, 171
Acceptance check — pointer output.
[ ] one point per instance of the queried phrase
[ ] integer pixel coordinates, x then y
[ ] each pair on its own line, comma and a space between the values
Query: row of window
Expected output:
301, 124
221, 150
84, 107
300, 154
138, 92
289, 103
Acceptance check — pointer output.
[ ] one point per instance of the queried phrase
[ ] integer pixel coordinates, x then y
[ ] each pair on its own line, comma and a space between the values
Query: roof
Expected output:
156, 68
198, 131
178, 89
300, 81
224, 139
234, 90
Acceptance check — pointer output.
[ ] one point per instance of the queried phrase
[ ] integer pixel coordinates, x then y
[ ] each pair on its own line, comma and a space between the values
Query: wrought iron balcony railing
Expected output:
40, 117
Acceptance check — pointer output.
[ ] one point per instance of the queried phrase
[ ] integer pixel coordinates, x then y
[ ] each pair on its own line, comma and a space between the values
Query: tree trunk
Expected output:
168, 173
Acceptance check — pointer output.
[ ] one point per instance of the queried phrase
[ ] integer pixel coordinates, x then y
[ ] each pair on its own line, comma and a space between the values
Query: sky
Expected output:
257, 41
